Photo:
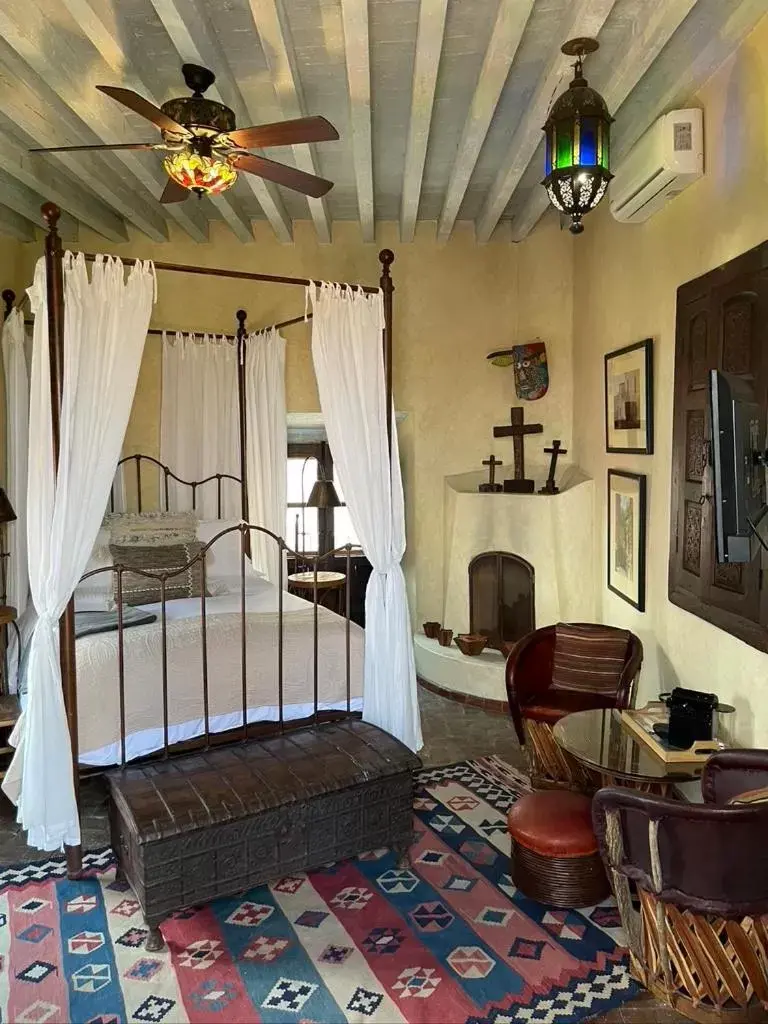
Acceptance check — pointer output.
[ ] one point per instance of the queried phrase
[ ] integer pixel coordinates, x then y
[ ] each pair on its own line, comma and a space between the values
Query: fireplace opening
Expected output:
501, 597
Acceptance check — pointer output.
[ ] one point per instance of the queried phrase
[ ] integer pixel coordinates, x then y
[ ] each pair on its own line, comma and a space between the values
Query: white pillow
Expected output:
96, 594
222, 560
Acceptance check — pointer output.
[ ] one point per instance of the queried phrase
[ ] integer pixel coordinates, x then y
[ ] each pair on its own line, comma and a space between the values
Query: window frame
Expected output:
320, 451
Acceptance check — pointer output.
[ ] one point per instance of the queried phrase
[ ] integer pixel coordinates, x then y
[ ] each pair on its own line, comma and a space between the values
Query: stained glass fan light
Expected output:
577, 143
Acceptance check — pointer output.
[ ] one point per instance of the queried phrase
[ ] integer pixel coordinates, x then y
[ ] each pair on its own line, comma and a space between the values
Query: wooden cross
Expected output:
491, 487
550, 487
517, 431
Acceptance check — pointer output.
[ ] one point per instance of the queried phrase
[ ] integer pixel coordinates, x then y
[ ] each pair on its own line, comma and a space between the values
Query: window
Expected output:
314, 529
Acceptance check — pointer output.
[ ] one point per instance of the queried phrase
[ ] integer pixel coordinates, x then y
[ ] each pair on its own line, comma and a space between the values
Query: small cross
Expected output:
550, 487
491, 487
517, 431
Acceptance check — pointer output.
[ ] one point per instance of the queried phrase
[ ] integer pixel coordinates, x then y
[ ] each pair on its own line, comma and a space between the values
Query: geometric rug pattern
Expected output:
446, 939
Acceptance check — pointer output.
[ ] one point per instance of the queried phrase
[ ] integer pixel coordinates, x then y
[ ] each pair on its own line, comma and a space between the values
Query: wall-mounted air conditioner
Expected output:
666, 160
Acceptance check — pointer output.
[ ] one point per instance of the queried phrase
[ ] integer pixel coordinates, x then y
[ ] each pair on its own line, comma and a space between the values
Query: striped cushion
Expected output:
589, 659
139, 589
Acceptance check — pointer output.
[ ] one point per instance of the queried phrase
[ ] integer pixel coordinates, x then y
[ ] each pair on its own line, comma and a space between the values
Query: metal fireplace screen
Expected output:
501, 597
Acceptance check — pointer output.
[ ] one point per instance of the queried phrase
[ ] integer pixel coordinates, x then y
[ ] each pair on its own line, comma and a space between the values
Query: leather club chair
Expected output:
558, 670
699, 941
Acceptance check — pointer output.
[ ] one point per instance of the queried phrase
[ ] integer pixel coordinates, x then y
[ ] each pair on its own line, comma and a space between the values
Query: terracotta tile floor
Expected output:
452, 732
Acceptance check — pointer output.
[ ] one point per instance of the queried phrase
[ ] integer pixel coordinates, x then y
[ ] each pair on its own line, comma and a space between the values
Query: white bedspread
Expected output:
97, 672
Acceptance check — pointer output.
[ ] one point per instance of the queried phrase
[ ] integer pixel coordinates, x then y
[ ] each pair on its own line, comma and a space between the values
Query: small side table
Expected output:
303, 583
8, 617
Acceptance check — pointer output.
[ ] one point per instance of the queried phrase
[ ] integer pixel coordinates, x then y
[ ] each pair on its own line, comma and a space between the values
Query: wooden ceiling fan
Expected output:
205, 150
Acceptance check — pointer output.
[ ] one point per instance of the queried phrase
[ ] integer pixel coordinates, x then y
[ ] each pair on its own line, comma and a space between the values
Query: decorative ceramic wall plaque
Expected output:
531, 370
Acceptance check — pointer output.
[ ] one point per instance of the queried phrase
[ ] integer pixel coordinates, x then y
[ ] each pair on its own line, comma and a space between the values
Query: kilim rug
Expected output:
449, 940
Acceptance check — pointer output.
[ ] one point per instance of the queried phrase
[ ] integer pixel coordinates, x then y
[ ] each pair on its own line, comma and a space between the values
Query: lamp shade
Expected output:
7, 515
323, 495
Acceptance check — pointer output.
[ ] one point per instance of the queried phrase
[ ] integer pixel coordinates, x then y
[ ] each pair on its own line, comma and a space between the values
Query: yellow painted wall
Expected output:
625, 281
453, 304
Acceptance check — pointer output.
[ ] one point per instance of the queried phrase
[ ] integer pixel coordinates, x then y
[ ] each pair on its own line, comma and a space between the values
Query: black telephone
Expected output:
691, 717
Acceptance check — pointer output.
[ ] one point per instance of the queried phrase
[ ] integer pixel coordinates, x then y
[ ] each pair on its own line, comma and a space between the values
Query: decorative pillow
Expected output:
222, 560
151, 529
95, 594
137, 589
752, 796
589, 659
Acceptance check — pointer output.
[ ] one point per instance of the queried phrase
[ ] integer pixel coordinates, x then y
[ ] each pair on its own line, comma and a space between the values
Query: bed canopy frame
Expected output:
53, 255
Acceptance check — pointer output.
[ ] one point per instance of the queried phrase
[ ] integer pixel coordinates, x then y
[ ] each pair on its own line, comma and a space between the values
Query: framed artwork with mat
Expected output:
629, 399
626, 536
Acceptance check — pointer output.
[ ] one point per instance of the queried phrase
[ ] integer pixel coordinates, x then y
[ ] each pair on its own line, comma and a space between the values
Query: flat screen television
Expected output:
738, 448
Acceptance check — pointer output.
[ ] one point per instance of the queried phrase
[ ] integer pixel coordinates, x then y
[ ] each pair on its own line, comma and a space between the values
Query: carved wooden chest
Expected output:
211, 824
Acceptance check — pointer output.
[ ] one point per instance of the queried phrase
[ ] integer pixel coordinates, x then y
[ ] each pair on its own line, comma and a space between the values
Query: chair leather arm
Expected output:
731, 772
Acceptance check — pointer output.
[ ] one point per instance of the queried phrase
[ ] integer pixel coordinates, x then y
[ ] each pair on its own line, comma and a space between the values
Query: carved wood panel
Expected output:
737, 335
692, 538
722, 323
697, 351
694, 446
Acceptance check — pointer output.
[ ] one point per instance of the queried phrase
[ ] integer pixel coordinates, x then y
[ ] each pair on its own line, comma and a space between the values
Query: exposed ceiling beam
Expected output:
195, 39
14, 225
662, 21
587, 17
511, 19
145, 81
429, 46
357, 51
59, 65
37, 174
28, 203
274, 32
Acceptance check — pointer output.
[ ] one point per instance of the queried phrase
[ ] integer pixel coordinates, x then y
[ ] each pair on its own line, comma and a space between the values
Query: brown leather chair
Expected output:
700, 939
536, 705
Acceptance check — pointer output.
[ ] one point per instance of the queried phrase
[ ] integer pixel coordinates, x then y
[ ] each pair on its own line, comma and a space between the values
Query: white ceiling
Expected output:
439, 103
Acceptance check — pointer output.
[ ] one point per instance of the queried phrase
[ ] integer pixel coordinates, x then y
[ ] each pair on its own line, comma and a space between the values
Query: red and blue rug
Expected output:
449, 940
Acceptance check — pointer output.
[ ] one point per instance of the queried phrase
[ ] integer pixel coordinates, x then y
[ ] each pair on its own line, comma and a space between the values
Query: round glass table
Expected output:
604, 747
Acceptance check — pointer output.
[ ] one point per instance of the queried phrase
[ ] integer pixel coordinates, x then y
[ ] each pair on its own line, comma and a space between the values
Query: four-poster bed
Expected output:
357, 754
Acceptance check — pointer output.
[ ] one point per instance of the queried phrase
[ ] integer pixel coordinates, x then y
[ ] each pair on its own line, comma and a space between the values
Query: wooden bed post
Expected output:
54, 278
387, 258
242, 420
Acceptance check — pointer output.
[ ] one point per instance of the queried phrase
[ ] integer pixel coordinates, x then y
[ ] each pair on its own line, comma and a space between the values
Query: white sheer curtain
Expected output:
105, 326
198, 420
17, 426
347, 352
266, 445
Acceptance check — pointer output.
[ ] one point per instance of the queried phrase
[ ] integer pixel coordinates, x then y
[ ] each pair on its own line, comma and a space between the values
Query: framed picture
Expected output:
626, 536
629, 399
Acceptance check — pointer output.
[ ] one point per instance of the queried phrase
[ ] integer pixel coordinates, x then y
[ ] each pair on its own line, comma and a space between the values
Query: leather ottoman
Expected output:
555, 857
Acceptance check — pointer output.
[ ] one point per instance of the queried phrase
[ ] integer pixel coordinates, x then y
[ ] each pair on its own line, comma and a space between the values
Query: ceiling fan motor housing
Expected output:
198, 112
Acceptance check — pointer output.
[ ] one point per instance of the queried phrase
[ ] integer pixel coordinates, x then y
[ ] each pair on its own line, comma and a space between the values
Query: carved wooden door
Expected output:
722, 323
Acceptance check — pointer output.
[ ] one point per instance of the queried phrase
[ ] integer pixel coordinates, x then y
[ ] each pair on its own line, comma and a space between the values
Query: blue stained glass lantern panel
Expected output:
588, 153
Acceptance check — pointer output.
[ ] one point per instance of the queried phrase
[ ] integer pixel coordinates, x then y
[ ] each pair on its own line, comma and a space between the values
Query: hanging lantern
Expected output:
577, 143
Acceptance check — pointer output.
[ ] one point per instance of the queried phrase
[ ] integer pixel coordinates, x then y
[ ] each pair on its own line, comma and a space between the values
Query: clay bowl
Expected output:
471, 644
444, 637
431, 629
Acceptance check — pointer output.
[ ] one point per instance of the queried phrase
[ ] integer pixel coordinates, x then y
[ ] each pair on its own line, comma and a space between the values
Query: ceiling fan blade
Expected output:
285, 133
282, 174
76, 149
173, 192
139, 105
